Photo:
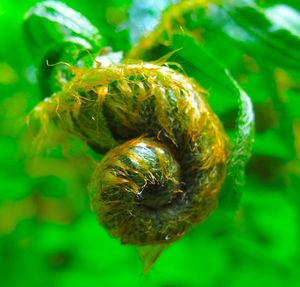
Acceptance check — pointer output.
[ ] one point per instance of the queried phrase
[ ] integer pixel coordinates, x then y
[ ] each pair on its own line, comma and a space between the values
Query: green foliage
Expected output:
48, 234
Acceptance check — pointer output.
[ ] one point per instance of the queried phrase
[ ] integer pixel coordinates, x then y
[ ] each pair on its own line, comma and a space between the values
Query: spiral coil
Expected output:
166, 150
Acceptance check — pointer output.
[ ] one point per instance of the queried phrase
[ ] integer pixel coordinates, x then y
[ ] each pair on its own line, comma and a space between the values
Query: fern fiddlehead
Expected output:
167, 154
165, 175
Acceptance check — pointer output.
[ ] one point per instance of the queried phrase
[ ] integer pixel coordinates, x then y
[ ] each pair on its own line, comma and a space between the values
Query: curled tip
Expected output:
134, 190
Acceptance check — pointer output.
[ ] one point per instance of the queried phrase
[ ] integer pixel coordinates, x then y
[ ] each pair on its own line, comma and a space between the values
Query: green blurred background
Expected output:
48, 234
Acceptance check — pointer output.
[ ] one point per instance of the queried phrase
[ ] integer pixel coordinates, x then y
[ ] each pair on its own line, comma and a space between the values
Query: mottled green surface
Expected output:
48, 234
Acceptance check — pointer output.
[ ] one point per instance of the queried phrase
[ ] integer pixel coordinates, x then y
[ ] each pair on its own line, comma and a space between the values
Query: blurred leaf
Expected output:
50, 23
267, 34
285, 17
145, 16
54, 34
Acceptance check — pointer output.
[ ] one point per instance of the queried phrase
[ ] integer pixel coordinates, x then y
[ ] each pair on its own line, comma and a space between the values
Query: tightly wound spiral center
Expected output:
166, 150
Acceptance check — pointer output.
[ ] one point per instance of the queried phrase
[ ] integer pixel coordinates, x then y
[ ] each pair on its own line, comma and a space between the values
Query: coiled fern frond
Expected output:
166, 150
